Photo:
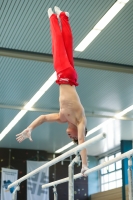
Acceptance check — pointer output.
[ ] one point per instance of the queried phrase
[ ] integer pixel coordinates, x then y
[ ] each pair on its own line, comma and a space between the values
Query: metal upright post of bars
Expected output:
55, 193
130, 178
14, 195
71, 176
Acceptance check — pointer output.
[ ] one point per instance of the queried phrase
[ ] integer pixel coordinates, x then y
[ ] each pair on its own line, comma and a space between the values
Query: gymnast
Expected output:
71, 109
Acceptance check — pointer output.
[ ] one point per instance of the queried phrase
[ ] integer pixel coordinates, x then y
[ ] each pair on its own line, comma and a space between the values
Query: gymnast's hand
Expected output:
25, 134
83, 170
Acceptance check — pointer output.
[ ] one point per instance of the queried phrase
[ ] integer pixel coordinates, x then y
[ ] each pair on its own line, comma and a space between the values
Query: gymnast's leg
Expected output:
66, 33
60, 57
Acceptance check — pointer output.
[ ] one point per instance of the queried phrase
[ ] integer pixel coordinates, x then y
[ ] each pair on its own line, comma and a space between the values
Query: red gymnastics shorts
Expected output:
68, 76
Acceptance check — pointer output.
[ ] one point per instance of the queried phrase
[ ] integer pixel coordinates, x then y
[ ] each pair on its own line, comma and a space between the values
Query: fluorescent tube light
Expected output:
32, 101
64, 147
130, 108
87, 40
112, 12
123, 1
41, 91
12, 123
97, 127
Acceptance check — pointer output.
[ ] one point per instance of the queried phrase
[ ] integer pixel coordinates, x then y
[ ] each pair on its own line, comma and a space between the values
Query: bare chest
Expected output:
71, 111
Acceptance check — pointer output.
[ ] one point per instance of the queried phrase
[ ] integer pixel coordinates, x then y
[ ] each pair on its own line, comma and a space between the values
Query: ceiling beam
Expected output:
54, 111
41, 57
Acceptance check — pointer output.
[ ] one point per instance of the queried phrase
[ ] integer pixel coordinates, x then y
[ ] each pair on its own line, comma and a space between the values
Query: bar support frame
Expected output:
130, 178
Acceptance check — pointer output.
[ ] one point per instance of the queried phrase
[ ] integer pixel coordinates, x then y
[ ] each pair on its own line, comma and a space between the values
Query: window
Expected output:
111, 176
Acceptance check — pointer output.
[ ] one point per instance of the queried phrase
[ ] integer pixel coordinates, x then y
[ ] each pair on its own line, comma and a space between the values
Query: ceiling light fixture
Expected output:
112, 12
32, 101
64, 147
130, 108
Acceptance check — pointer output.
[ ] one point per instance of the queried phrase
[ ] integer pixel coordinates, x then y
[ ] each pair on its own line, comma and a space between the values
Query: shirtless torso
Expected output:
71, 109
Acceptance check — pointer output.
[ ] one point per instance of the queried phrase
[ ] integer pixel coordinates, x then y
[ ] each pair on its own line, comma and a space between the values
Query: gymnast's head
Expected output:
72, 132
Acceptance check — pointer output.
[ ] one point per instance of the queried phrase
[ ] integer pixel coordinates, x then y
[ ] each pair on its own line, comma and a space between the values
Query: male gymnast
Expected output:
71, 109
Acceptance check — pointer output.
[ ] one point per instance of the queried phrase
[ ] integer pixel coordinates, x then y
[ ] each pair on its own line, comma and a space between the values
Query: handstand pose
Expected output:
71, 109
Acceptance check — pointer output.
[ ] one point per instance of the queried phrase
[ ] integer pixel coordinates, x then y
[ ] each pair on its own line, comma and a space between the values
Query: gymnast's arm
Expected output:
54, 117
81, 139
